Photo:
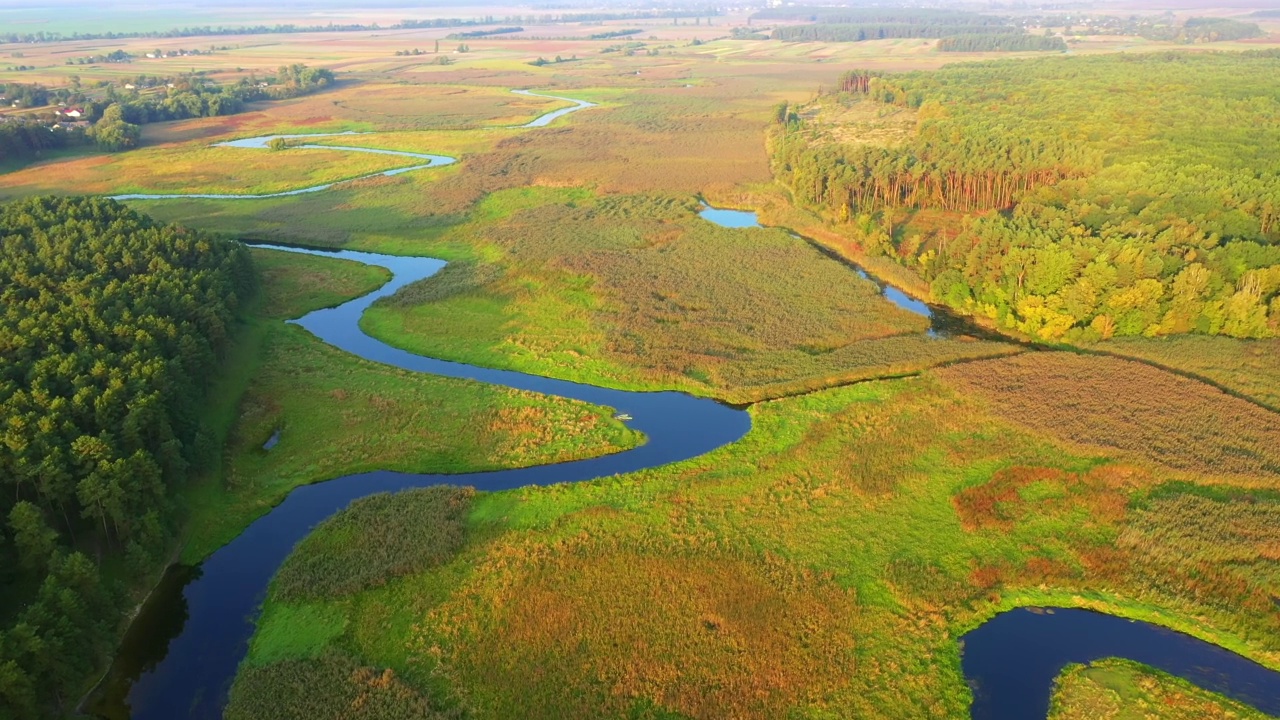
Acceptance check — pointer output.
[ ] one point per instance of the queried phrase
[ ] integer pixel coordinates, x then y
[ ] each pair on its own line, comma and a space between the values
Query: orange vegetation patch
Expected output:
1125, 406
1000, 502
587, 634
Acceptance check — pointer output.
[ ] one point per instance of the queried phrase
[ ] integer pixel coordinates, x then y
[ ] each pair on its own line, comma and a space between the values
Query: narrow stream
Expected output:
180, 655
264, 143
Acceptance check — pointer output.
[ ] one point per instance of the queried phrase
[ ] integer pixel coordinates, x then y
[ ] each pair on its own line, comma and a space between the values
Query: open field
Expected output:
335, 415
595, 289
1122, 690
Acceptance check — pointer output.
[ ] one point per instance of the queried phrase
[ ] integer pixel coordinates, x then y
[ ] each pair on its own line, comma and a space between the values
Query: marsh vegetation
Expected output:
896, 489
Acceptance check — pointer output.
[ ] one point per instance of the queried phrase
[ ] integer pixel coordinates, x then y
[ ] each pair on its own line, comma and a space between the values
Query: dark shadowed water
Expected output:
1012, 660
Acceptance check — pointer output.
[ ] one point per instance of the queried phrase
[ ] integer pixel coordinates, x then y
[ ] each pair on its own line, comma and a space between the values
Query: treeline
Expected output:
483, 33
890, 15
110, 327
615, 34
1148, 211
119, 117
207, 30
1204, 29
24, 141
119, 127
1165, 27
883, 31
1002, 43
35, 95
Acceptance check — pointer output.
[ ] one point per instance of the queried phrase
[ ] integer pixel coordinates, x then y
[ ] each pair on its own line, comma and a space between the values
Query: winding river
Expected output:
264, 142
180, 655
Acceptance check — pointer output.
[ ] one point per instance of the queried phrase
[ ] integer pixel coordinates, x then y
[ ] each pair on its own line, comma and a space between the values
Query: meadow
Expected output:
1130, 407
332, 414
569, 240
637, 291
1247, 367
749, 580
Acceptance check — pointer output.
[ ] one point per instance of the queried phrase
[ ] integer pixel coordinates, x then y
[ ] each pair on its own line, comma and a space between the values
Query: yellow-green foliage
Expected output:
329, 687
204, 169
293, 284
1223, 548
1123, 690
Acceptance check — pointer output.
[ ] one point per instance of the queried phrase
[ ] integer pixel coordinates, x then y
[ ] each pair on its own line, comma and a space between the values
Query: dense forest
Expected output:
1069, 198
198, 97
110, 327
1204, 29
24, 141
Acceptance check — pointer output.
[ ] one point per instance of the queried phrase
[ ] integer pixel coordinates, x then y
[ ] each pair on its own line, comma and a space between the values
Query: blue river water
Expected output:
1011, 660
188, 674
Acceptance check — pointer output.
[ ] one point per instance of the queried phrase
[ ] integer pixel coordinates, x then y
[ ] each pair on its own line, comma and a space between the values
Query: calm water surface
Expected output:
1013, 659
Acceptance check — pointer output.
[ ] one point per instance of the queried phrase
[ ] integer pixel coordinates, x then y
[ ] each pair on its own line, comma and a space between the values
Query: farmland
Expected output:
898, 487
